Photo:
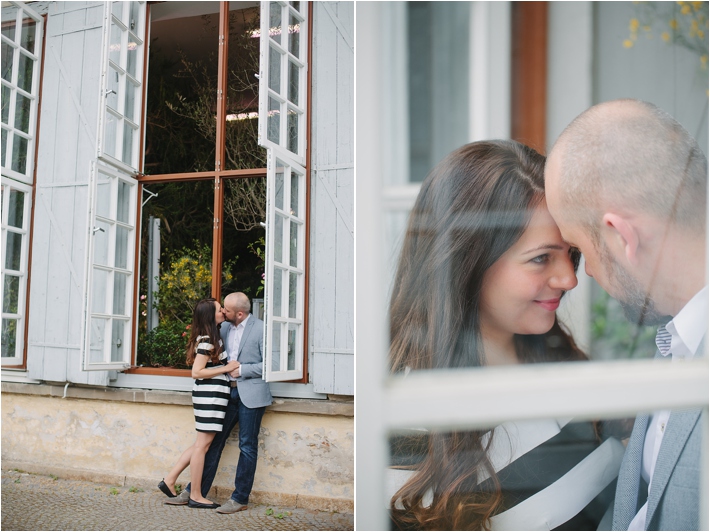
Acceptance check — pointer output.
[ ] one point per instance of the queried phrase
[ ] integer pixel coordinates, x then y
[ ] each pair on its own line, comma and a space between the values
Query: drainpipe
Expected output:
65, 390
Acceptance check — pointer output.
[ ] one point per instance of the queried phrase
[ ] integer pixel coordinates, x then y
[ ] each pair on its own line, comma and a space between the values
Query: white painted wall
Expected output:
332, 245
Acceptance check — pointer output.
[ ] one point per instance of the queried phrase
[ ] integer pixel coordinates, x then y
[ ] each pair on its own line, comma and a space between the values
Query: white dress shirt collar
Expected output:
689, 326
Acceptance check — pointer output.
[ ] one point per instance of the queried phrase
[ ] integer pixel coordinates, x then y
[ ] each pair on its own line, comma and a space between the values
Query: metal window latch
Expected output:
119, 343
97, 229
110, 91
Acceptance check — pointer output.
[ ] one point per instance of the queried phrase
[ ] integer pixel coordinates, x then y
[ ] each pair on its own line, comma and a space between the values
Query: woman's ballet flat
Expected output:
194, 504
164, 488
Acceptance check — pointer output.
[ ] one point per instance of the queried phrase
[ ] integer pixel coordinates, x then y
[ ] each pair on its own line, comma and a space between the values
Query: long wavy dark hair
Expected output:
472, 207
203, 323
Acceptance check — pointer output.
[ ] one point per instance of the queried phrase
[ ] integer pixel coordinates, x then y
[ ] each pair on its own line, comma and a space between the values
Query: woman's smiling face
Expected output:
522, 289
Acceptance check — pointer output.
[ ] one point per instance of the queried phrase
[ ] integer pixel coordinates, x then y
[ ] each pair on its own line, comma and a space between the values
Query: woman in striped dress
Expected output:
210, 395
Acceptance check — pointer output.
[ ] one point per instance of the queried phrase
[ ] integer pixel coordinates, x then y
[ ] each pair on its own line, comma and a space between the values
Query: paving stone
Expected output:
37, 502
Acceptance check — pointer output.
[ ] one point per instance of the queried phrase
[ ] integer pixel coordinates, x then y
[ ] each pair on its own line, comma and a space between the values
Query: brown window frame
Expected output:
217, 176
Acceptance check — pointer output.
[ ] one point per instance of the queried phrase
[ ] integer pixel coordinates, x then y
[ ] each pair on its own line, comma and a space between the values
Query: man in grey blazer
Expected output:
242, 337
627, 185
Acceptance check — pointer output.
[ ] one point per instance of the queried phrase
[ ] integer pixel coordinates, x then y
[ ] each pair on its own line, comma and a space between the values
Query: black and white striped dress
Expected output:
210, 396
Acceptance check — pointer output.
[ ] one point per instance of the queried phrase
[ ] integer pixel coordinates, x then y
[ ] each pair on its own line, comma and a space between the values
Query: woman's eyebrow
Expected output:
544, 247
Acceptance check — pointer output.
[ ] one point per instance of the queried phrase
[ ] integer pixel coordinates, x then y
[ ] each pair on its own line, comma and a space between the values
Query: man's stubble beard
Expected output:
635, 301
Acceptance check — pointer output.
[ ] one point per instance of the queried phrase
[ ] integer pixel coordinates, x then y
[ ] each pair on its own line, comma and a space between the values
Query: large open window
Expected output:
203, 190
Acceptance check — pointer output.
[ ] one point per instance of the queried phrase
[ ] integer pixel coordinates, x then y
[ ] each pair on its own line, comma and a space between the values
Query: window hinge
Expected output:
216, 223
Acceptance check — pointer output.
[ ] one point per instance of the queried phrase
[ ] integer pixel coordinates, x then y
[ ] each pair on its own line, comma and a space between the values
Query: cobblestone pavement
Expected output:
37, 502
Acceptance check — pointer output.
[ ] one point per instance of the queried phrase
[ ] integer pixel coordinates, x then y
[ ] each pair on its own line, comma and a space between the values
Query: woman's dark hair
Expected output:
472, 207
203, 324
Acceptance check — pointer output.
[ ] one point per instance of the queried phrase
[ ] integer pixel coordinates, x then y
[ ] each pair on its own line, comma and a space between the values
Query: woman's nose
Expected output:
564, 277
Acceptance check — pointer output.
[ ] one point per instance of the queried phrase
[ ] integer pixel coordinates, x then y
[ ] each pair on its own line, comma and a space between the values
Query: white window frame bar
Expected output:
594, 390
271, 321
36, 57
115, 176
23, 272
282, 96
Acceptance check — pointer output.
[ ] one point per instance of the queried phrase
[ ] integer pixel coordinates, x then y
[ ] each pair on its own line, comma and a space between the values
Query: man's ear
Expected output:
623, 235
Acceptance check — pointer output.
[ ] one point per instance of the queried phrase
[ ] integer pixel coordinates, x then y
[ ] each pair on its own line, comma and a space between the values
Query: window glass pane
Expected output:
293, 250
99, 289
4, 146
114, 51
97, 339
118, 343
13, 251
101, 239
276, 347
294, 35
22, 113
274, 70
24, 73
9, 337
292, 335
278, 237
103, 196
8, 22
5, 104
134, 18
110, 134
296, 5
181, 99
295, 178
279, 187
133, 49
273, 123
19, 154
176, 269
293, 130
121, 258
275, 22
11, 293
277, 297
7, 61
124, 202
117, 10
119, 293
130, 103
16, 209
112, 77
128, 132
293, 72
27, 39
293, 279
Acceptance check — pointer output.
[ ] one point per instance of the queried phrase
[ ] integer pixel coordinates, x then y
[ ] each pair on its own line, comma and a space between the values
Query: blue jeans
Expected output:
249, 420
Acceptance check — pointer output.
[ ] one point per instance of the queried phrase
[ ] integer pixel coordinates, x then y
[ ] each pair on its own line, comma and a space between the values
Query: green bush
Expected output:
165, 345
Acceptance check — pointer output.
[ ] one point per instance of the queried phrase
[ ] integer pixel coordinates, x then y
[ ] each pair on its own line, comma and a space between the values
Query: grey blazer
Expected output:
674, 500
254, 392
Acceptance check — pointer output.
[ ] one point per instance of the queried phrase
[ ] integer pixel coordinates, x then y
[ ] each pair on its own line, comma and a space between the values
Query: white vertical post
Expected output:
371, 319
153, 270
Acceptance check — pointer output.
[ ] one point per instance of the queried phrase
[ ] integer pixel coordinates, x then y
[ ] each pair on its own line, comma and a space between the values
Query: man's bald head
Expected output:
632, 155
236, 307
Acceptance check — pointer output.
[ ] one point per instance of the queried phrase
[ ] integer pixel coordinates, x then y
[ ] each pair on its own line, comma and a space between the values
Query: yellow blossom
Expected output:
697, 5
685, 10
628, 43
665, 36
673, 24
704, 61
647, 28
634, 24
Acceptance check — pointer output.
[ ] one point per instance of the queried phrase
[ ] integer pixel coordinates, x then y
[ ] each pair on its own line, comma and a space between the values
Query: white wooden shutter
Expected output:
109, 302
282, 126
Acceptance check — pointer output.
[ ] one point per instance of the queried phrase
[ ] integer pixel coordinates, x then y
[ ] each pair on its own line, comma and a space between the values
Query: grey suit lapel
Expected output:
627, 488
